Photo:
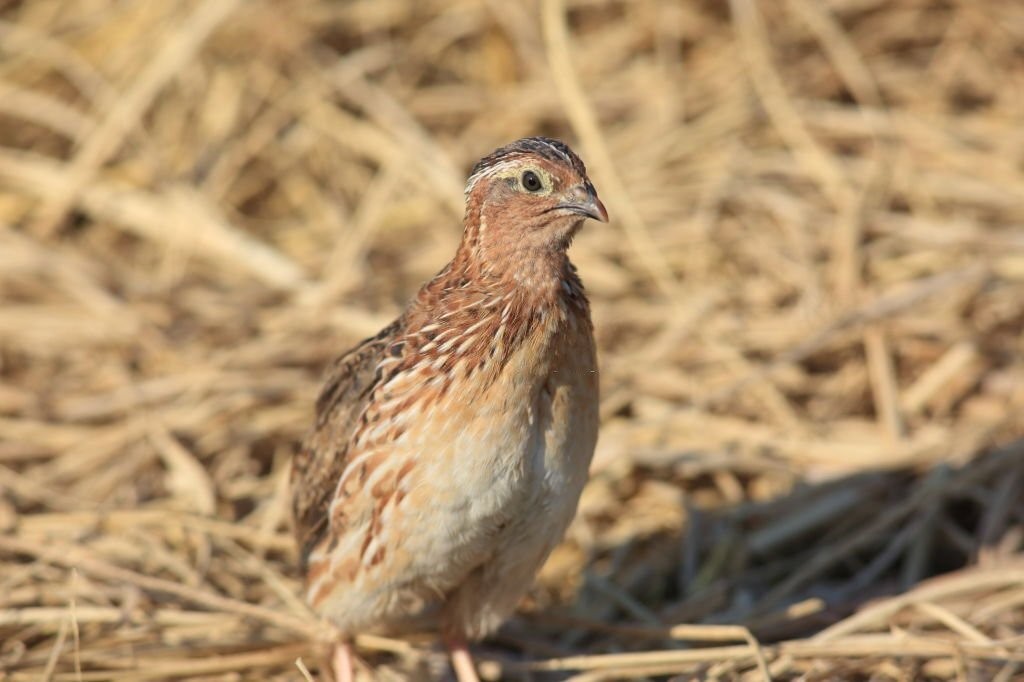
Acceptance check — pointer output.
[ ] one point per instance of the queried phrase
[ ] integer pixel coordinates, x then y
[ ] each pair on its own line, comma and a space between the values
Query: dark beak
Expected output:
583, 199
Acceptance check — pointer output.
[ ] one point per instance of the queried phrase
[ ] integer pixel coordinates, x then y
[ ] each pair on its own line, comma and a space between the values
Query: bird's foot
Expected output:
462, 660
344, 663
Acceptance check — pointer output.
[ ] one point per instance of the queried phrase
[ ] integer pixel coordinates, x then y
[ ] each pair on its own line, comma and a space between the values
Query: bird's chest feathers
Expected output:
500, 388
531, 433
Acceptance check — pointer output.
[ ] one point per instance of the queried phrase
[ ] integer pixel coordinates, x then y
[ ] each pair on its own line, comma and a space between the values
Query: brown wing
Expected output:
321, 460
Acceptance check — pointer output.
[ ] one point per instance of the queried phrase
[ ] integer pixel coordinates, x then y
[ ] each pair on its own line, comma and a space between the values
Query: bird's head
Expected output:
529, 196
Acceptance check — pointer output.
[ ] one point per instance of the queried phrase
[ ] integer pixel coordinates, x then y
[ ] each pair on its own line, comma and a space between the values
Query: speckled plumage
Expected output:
450, 450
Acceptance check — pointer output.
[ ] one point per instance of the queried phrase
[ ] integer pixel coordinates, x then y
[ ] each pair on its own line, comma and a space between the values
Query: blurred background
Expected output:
809, 304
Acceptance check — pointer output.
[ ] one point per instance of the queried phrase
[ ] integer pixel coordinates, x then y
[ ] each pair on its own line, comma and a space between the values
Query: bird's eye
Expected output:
531, 181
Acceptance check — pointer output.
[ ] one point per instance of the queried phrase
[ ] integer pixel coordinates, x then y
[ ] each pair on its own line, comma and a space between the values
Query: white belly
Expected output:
562, 435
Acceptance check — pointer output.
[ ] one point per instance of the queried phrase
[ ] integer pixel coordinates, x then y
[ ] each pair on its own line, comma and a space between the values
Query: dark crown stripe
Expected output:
545, 147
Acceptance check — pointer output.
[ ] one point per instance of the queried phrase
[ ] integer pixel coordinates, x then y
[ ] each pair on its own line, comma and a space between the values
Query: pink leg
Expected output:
344, 670
462, 660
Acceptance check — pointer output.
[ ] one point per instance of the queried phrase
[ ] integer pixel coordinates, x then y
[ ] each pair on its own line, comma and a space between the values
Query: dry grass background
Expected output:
809, 304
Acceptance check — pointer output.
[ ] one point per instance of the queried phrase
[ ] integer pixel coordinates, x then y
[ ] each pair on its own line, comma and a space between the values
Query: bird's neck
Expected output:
494, 253
535, 274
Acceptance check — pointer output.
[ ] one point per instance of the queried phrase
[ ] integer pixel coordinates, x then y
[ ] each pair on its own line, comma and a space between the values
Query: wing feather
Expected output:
319, 464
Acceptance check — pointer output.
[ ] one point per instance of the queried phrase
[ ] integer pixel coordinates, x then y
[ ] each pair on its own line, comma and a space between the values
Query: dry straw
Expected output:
809, 304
